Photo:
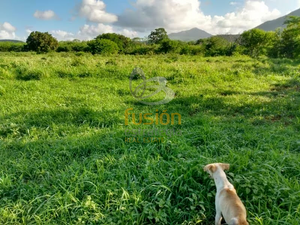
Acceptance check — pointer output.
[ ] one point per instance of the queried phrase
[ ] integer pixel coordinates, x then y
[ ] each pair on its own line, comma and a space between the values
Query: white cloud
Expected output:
178, 15
94, 11
253, 13
45, 15
8, 27
6, 35
174, 15
298, 3
62, 35
89, 32
128, 33
7, 31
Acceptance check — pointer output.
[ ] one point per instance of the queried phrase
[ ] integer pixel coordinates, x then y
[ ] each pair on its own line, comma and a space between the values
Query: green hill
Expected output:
277, 23
190, 35
10, 40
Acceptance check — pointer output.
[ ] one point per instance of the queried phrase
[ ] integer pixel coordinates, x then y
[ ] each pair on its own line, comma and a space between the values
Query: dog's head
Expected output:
212, 168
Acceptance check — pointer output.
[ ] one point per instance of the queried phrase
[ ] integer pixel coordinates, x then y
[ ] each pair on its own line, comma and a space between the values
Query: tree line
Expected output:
255, 43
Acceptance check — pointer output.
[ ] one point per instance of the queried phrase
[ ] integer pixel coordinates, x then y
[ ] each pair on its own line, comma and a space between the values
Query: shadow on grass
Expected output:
278, 66
23, 121
280, 103
103, 167
152, 182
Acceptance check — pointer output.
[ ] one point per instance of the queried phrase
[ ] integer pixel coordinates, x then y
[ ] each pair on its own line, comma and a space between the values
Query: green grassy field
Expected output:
65, 158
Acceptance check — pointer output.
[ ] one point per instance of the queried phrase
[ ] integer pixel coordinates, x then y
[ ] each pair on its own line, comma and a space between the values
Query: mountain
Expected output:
190, 35
8, 40
274, 24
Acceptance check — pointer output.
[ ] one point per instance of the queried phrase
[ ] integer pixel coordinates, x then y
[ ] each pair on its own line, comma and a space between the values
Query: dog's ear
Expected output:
210, 167
224, 166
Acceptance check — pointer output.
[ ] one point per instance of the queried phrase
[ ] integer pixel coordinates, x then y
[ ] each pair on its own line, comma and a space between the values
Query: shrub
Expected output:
26, 75
216, 46
111, 62
41, 42
72, 46
11, 47
185, 50
168, 46
137, 73
196, 50
80, 54
144, 50
77, 62
103, 46
123, 42
79, 46
256, 42
64, 48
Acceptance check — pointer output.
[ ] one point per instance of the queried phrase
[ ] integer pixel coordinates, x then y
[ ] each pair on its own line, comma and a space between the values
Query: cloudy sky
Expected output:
85, 19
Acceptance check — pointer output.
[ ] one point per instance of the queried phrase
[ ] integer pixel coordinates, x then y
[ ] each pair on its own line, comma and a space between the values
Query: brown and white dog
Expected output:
228, 203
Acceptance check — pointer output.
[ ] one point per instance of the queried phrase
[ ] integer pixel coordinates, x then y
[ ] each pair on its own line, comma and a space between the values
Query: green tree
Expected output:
215, 46
256, 41
103, 46
293, 22
274, 48
41, 42
122, 41
290, 38
168, 46
157, 36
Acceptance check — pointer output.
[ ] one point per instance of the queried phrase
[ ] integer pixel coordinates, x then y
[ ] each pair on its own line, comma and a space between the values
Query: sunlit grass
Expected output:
65, 160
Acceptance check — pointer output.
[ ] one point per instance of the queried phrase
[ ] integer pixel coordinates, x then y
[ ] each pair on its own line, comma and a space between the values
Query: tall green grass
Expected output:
64, 159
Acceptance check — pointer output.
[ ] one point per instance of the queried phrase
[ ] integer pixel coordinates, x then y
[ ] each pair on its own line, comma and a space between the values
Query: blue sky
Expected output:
85, 19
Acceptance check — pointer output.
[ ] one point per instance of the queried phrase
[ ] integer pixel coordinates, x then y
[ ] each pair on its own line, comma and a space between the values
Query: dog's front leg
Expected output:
218, 217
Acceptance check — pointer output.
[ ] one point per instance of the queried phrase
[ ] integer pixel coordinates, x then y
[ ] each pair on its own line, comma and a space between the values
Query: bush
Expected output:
64, 48
191, 50
80, 46
185, 50
26, 75
123, 42
144, 50
168, 46
72, 46
256, 42
11, 47
216, 46
103, 46
41, 42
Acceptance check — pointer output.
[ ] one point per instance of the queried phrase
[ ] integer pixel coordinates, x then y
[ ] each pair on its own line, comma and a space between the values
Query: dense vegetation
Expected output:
65, 159
41, 42
255, 43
